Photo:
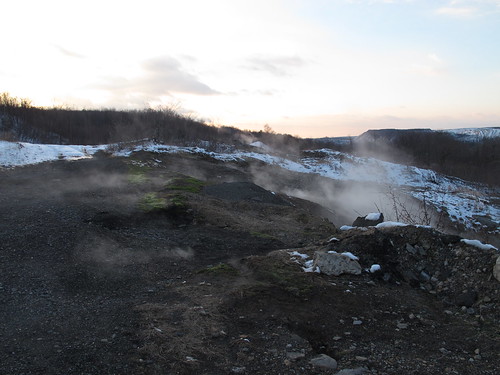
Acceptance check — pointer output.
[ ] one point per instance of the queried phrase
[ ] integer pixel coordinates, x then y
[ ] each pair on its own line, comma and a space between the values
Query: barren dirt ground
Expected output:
141, 266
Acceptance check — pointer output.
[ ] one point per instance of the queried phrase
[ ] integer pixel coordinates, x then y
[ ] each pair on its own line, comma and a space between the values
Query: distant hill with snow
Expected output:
392, 135
470, 153
474, 134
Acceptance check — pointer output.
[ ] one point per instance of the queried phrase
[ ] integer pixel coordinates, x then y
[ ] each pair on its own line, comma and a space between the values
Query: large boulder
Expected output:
369, 220
496, 269
334, 264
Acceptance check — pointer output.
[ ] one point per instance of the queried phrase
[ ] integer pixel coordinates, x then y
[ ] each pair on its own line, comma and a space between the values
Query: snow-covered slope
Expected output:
462, 201
474, 134
21, 153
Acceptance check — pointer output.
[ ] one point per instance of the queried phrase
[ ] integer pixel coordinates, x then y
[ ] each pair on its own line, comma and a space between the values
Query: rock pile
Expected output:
456, 272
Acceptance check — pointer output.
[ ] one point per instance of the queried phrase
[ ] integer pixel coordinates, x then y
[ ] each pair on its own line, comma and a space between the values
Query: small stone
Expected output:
357, 322
293, 356
410, 249
324, 361
402, 325
238, 370
467, 298
477, 351
352, 371
424, 276
361, 358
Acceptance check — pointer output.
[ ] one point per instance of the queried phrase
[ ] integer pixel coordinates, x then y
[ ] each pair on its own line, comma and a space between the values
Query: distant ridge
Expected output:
474, 134
462, 134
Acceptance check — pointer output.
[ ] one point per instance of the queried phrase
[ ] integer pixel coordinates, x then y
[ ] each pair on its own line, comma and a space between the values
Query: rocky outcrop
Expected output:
369, 220
455, 271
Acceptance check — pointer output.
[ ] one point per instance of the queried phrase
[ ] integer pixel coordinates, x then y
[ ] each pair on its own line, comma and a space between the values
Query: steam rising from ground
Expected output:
107, 253
349, 198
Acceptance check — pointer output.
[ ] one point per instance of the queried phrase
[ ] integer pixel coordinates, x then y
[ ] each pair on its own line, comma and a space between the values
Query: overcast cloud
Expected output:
161, 76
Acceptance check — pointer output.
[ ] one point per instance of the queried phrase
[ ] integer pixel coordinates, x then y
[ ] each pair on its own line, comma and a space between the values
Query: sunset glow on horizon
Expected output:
308, 68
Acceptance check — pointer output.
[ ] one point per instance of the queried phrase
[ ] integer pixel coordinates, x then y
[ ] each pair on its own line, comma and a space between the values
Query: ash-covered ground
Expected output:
181, 264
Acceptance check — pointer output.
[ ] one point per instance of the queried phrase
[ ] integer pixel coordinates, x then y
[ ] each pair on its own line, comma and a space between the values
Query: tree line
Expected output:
21, 121
440, 151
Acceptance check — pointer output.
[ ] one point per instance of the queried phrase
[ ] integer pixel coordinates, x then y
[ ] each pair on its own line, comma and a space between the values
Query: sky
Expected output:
310, 68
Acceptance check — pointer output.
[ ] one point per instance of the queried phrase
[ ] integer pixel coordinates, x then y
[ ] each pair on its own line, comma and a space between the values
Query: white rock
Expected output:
336, 264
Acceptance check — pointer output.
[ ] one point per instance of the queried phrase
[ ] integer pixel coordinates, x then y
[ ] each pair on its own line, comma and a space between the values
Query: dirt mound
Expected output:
244, 191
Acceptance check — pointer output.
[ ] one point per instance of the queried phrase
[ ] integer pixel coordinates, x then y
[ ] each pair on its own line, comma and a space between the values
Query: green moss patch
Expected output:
151, 202
185, 183
137, 174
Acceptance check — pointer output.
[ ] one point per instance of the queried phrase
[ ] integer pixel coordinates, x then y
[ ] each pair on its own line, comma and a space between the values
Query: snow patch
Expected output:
375, 268
346, 227
390, 224
296, 253
350, 255
373, 216
478, 244
13, 154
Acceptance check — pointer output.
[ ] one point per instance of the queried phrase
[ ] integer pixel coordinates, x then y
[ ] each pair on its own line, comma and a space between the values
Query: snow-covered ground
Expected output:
461, 200
14, 154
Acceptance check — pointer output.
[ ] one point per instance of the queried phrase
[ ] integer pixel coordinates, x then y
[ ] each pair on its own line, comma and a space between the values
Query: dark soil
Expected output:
172, 264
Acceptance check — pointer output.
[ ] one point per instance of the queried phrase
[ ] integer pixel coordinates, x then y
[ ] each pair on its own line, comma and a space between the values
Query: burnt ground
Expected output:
160, 264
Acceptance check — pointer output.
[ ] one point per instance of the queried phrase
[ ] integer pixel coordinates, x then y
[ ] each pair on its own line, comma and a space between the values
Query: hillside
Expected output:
470, 154
154, 259
342, 183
